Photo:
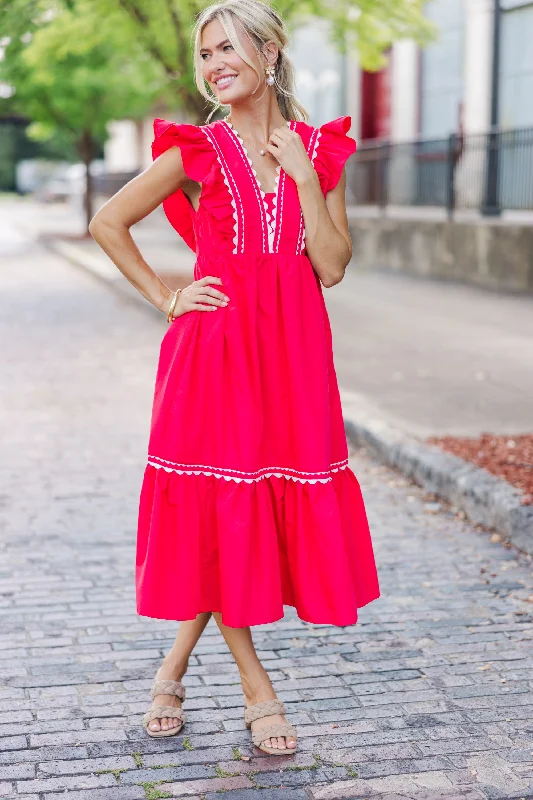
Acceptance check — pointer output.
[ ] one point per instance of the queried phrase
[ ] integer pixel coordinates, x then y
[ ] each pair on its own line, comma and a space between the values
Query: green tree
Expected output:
163, 28
72, 74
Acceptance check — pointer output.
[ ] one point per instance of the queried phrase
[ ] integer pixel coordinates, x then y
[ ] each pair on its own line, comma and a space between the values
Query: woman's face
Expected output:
230, 78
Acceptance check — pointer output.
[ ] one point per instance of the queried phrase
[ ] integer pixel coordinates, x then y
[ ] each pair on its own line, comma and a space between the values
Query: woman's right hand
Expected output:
200, 296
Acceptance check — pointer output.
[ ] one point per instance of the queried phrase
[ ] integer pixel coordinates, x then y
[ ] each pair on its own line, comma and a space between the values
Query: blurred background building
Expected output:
426, 92
421, 93
404, 115
444, 131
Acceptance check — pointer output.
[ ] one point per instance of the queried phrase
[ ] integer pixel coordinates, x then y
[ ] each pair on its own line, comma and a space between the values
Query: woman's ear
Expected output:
270, 52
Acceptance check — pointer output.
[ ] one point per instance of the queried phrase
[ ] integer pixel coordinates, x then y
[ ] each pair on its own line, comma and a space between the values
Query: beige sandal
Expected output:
266, 709
158, 712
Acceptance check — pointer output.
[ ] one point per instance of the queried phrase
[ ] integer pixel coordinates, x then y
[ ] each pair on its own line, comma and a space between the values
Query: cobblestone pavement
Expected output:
429, 696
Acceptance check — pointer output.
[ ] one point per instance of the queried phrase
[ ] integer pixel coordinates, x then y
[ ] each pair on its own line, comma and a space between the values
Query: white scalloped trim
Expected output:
247, 477
224, 168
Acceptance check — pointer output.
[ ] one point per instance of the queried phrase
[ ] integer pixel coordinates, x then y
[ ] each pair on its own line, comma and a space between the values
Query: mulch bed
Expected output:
507, 457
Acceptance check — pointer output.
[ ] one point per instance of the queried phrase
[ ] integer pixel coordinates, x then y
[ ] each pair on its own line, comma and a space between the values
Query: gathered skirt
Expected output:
248, 502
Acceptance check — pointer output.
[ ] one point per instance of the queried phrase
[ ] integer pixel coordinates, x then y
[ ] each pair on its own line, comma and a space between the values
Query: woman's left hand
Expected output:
288, 149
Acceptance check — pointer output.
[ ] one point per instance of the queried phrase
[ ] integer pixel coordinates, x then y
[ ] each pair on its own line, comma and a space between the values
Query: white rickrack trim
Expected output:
315, 148
260, 194
238, 229
279, 210
271, 218
247, 477
301, 237
280, 185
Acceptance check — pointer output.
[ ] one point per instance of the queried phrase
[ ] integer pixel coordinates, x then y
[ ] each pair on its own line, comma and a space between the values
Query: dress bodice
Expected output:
235, 215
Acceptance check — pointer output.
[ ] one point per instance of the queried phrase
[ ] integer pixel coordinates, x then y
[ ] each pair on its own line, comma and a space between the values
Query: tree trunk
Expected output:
87, 148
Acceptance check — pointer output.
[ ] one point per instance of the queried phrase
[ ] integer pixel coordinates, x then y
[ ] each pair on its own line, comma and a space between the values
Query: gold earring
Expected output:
269, 72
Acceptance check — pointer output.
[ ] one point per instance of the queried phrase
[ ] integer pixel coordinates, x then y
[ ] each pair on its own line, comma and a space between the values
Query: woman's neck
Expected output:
257, 121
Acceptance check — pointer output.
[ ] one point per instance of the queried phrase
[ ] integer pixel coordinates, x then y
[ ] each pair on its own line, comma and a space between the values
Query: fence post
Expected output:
383, 174
491, 198
450, 184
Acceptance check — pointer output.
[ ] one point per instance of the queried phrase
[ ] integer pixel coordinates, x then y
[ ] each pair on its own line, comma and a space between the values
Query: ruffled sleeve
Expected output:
197, 158
334, 148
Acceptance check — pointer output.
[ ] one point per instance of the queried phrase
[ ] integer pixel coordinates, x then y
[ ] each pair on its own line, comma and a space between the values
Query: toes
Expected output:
164, 724
291, 742
281, 742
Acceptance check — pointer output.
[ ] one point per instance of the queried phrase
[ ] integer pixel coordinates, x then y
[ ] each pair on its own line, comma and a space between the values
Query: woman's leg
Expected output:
175, 665
255, 681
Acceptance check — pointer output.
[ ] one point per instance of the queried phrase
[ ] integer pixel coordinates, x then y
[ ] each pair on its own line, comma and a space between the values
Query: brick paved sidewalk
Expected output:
429, 696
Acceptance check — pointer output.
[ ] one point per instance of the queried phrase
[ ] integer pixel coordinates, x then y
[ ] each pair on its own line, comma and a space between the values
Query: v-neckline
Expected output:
251, 163
269, 213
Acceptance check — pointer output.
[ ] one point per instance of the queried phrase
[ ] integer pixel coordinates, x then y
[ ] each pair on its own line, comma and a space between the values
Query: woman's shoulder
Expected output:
339, 126
165, 129
196, 149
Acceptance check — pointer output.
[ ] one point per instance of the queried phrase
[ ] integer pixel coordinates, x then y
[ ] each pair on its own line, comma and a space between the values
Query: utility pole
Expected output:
491, 200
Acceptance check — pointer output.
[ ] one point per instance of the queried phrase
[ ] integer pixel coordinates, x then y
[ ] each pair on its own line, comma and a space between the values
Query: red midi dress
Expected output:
248, 502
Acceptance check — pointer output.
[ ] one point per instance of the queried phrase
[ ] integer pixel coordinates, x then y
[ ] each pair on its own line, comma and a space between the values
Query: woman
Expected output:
248, 502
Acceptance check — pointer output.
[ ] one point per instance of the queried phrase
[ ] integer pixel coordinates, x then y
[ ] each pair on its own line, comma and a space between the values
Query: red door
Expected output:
376, 103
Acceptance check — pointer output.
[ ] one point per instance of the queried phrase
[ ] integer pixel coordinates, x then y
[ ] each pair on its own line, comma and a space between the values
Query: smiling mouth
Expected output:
223, 82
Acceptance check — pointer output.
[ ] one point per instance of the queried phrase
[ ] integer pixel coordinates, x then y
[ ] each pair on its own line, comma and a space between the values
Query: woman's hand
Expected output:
199, 296
288, 149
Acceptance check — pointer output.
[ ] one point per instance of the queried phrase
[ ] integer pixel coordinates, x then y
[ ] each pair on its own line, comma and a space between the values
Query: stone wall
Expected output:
494, 254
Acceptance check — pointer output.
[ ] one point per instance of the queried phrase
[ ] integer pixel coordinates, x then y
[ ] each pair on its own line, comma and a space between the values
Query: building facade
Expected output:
424, 93
446, 86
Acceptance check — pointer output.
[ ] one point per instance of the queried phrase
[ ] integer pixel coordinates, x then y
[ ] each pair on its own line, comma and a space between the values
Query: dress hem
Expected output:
266, 621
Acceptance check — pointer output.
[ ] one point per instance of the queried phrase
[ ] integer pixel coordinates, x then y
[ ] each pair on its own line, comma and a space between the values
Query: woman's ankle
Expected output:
256, 685
176, 664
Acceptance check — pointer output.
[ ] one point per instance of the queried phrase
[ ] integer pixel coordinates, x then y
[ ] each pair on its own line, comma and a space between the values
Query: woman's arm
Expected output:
110, 227
327, 236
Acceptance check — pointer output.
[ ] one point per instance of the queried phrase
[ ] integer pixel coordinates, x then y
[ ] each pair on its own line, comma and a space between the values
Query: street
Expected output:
429, 696
435, 357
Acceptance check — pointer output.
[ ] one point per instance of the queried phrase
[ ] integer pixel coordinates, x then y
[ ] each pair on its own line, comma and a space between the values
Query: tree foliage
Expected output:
71, 71
71, 74
84, 62
363, 27
75, 65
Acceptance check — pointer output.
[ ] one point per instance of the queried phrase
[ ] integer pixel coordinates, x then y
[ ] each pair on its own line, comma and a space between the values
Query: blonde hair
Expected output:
262, 24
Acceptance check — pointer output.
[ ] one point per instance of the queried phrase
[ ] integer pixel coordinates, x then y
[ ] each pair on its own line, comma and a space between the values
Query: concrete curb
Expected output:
484, 498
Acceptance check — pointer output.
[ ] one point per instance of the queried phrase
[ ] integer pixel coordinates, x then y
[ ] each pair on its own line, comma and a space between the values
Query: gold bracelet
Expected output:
170, 315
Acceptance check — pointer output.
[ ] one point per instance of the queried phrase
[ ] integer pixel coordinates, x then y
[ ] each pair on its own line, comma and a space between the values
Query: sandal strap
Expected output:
158, 712
264, 709
168, 686
272, 731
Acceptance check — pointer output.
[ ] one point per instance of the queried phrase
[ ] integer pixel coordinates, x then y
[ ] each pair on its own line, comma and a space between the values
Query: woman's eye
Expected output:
228, 45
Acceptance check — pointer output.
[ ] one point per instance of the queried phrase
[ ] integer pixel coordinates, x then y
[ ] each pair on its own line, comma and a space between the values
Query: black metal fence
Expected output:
486, 172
